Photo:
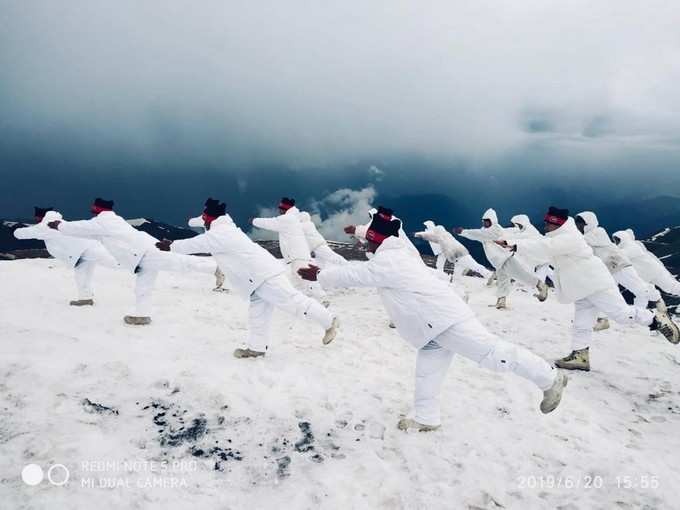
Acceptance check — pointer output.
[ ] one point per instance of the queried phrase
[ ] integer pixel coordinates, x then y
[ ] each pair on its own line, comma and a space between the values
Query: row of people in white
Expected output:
134, 251
508, 266
582, 278
647, 265
429, 314
82, 255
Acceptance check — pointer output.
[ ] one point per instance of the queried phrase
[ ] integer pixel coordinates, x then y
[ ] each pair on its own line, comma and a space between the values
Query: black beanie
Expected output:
381, 227
214, 208
104, 204
41, 211
385, 212
556, 216
286, 203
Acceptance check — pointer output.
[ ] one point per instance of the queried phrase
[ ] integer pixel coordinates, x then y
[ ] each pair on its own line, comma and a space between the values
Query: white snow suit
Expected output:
255, 274
429, 315
294, 247
82, 255
523, 229
323, 254
583, 279
647, 265
446, 247
134, 251
507, 265
617, 262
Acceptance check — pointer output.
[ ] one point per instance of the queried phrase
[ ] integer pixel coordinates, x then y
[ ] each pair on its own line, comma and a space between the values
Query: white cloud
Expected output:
342, 207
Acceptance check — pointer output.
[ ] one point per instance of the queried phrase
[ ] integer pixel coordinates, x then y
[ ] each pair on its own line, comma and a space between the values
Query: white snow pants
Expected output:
312, 289
611, 303
513, 268
155, 261
468, 262
278, 292
325, 256
643, 292
667, 283
84, 269
471, 340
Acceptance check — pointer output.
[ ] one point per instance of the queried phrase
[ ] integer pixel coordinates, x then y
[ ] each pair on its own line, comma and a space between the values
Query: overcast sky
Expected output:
172, 85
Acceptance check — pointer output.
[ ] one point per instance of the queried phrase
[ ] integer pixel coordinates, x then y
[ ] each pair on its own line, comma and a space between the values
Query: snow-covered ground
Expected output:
312, 426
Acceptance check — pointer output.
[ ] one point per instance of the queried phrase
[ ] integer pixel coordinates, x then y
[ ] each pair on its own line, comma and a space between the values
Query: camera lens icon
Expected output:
32, 474
57, 474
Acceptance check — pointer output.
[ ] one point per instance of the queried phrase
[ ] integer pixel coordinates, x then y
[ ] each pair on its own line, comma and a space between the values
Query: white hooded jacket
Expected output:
524, 230
578, 272
645, 263
127, 244
598, 239
245, 263
496, 254
64, 248
314, 238
421, 305
292, 241
442, 241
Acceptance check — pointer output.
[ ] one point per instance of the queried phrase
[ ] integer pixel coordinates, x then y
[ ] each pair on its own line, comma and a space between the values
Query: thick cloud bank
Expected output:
315, 83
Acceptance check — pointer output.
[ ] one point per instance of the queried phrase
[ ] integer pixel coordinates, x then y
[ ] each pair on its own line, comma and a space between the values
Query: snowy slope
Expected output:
312, 426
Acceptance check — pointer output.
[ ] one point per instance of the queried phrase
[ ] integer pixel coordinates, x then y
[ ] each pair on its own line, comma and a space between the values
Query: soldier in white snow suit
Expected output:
197, 222
323, 254
617, 262
293, 243
135, 251
446, 247
82, 255
523, 229
647, 265
255, 274
507, 265
583, 279
432, 317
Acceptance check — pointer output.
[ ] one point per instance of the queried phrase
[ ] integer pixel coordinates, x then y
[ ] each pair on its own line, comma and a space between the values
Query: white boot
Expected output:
247, 353
409, 423
601, 324
553, 395
331, 332
542, 293
665, 325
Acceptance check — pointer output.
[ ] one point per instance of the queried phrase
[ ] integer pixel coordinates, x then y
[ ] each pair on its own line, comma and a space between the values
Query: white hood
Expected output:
491, 215
590, 219
522, 220
624, 235
51, 216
